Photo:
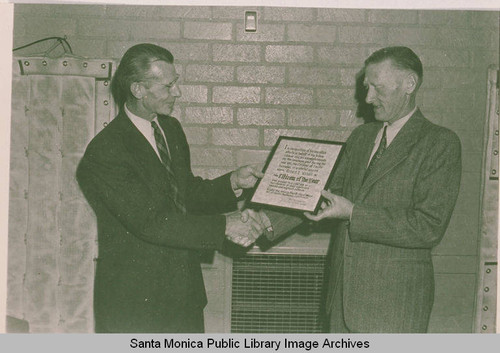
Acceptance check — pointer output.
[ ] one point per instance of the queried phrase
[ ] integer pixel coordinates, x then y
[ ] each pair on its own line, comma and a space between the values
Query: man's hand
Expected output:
246, 177
259, 217
241, 232
335, 206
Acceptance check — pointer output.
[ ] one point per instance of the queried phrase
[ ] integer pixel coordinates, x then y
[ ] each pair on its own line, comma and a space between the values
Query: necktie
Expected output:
380, 150
167, 163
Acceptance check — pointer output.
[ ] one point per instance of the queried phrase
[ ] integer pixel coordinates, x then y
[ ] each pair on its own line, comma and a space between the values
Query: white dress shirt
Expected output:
392, 131
144, 126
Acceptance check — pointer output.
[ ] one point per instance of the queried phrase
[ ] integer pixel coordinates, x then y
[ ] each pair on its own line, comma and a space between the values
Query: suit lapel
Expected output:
397, 152
173, 143
363, 149
145, 158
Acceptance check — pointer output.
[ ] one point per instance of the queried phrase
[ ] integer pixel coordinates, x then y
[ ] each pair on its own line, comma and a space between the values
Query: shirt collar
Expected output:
398, 124
137, 120
394, 128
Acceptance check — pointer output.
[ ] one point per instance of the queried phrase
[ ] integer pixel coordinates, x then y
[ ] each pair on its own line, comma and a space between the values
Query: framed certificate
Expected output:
296, 172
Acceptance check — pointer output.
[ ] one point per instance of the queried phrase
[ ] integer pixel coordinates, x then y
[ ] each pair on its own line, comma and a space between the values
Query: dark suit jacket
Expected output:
148, 270
383, 255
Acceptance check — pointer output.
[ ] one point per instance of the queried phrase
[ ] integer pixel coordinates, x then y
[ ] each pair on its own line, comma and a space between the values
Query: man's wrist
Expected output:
234, 186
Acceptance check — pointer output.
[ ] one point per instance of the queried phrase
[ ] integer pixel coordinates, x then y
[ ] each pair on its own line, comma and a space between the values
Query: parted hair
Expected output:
135, 66
401, 57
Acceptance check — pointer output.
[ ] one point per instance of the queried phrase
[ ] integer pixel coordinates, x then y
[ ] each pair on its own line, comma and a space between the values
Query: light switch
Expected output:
250, 21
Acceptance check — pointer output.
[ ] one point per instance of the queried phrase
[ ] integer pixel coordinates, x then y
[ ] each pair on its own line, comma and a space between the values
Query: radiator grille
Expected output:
277, 293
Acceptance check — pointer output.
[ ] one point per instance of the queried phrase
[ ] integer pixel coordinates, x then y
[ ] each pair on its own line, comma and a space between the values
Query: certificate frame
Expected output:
288, 185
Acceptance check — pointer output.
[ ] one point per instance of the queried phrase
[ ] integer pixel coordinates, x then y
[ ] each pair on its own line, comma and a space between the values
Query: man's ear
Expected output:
411, 82
137, 90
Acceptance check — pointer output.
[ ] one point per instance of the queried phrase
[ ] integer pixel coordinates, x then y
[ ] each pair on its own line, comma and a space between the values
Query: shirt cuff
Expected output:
350, 216
238, 192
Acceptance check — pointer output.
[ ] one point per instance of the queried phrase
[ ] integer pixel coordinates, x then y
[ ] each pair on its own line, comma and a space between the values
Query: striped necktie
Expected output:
167, 163
380, 151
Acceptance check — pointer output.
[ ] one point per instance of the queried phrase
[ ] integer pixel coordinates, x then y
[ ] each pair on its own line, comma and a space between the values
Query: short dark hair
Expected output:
401, 57
134, 66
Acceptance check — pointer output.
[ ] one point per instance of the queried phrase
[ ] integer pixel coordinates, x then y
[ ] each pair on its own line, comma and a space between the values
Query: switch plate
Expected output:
250, 21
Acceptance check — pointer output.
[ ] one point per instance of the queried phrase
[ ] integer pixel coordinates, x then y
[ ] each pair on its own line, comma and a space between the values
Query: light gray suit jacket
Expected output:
401, 211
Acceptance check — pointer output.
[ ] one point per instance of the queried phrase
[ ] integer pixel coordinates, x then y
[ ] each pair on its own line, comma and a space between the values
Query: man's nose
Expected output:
370, 95
175, 91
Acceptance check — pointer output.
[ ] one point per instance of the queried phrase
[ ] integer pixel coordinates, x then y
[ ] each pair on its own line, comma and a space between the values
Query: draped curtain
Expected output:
58, 105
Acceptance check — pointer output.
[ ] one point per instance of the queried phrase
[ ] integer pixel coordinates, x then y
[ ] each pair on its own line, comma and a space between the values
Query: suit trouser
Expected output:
336, 315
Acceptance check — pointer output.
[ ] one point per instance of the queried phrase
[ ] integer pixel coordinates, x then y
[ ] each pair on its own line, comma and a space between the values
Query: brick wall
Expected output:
296, 76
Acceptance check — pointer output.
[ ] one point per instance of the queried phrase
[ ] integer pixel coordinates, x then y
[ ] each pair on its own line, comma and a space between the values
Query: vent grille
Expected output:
277, 293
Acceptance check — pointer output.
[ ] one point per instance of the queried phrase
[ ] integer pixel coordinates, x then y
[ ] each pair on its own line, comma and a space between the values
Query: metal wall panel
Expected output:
486, 288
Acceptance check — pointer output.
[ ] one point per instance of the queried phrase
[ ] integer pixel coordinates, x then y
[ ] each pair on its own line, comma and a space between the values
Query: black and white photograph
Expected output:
139, 132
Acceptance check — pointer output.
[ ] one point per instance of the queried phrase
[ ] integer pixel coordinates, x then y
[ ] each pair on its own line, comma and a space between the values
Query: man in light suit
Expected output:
392, 195
153, 215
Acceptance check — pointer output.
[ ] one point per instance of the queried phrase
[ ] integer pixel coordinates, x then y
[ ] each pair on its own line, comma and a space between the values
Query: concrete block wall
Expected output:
296, 76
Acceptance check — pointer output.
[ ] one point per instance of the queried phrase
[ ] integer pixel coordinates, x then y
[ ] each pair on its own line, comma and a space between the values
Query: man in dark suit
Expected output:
393, 193
153, 215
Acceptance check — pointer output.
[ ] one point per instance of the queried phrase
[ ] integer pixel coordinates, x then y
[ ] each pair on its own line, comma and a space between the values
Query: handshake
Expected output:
243, 228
